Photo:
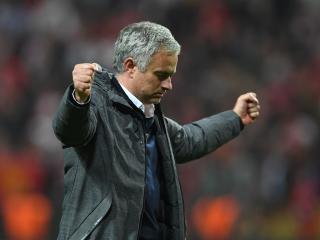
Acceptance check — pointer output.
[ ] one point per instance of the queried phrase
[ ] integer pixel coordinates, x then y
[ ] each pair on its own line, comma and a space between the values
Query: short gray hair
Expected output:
141, 41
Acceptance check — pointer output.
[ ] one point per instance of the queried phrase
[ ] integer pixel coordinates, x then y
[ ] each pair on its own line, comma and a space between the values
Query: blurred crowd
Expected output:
263, 185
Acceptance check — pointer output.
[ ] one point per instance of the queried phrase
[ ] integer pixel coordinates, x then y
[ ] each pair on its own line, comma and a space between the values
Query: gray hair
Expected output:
141, 41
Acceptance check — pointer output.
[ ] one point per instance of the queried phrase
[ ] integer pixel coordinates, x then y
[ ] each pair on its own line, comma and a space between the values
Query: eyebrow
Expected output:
163, 72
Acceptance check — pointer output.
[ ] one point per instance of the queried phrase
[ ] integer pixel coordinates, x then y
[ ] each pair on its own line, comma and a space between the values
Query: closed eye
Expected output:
163, 75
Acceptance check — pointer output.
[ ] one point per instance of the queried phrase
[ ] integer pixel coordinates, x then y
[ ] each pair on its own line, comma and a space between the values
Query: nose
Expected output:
167, 84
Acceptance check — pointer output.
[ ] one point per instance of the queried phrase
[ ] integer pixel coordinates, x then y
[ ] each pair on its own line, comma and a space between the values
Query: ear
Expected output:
129, 66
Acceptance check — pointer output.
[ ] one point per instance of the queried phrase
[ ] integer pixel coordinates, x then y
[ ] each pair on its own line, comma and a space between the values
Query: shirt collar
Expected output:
147, 109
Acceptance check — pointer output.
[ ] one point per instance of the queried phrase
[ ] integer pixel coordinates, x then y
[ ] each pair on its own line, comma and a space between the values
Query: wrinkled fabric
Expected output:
105, 161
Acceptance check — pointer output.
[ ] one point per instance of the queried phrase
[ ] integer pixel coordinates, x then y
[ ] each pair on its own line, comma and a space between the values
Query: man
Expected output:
120, 151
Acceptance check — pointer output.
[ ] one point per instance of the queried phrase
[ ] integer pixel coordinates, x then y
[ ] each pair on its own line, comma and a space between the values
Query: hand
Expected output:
83, 75
247, 107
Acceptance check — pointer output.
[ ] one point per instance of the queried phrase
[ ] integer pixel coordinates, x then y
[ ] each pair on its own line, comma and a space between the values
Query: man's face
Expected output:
152, 84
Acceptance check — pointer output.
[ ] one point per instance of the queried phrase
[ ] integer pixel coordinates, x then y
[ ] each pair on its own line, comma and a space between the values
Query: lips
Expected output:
159, 94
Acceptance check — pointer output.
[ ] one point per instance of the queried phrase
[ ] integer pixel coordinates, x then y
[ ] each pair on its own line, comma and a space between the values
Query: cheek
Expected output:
152, 84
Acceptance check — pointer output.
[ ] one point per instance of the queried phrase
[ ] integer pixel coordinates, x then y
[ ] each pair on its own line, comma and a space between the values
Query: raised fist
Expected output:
82, 76
247, 107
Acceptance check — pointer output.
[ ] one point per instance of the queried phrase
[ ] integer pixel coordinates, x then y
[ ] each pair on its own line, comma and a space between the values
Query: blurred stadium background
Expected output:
263, 185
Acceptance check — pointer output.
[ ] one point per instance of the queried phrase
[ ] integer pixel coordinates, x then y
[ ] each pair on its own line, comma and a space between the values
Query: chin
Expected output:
156, 101
153, 100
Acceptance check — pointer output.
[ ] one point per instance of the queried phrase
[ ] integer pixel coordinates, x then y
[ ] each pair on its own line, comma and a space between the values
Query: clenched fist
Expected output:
247, 107
82, 76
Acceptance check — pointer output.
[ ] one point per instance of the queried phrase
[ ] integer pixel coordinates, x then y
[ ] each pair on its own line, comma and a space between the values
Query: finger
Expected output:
253, 97
97, 67
253, 108
83, 71
81, 86
86, 71
83, 78
253, 104
86, 92
254, 115
84, 66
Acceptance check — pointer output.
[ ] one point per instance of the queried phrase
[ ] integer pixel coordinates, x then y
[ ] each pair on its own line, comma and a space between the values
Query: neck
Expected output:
125, 81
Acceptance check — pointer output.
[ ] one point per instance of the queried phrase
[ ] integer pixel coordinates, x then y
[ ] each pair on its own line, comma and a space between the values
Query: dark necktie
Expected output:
149, 124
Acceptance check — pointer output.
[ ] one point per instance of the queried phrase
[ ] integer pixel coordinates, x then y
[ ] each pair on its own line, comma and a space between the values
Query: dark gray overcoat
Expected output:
105, 154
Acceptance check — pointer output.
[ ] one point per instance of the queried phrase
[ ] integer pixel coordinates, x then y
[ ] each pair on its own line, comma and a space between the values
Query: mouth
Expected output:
159, 96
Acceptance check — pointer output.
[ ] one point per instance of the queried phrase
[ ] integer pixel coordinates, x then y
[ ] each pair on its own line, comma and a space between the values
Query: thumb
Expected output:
253, 97
97, 67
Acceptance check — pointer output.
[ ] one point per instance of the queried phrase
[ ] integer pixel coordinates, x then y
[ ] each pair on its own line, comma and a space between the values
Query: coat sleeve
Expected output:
74, 124
198, 138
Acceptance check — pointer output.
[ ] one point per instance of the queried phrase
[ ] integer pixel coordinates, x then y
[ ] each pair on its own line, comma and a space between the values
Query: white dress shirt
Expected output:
147, 109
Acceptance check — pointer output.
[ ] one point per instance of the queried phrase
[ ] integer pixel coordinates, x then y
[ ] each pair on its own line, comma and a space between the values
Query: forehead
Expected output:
164, 61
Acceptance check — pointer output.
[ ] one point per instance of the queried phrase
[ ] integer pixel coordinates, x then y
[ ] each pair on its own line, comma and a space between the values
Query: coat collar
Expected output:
108, 82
